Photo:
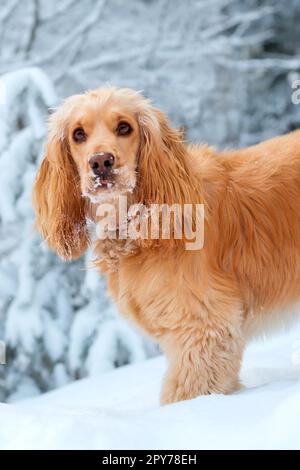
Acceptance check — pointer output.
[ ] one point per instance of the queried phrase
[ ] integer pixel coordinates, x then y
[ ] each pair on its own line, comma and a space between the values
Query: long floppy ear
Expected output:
165, 172
164, 169
57, 200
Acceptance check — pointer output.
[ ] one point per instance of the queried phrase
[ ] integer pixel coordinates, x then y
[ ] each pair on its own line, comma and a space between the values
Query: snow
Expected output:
120, 409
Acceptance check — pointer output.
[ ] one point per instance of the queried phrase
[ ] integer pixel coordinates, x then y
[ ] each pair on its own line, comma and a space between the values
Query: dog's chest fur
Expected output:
156, 290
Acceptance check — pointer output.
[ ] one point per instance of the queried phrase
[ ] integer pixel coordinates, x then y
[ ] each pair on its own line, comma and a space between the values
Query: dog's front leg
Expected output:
204, 358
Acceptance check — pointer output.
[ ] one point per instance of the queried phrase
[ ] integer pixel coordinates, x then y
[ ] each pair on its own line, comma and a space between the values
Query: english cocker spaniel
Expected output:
201, 305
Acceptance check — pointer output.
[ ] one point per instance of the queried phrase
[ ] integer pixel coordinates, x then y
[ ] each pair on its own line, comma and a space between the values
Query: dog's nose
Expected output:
102, 163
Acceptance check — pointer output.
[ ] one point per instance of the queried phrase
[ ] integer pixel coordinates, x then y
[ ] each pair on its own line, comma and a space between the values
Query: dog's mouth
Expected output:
105, 182
109, 184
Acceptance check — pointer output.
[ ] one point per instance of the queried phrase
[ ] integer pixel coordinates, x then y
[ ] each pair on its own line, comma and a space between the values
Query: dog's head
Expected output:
102, 144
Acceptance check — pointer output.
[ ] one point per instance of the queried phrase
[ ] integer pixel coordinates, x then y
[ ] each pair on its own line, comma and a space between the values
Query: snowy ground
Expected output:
120, 409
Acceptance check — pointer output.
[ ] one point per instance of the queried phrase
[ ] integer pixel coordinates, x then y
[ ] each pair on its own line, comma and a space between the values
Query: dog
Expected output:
201, 306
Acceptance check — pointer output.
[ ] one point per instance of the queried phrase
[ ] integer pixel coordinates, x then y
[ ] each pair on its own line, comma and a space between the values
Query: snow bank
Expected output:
120, 409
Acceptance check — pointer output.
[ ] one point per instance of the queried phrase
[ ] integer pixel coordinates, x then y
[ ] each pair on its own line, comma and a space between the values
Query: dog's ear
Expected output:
59, 207
164, 173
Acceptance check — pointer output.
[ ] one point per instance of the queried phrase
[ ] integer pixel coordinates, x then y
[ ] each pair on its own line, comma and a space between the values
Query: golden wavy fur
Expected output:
201, 306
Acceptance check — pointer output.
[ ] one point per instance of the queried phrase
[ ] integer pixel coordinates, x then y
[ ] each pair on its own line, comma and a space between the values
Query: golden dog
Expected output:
201, 306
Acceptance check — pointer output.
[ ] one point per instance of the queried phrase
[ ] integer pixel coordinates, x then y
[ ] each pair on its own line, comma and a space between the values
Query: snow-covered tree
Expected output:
55, 318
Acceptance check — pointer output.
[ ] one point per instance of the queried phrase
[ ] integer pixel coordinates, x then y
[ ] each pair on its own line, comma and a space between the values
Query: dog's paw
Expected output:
172, 393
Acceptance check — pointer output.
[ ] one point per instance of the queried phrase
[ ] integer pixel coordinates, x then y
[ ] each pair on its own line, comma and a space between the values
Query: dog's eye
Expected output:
79, 135
124, 128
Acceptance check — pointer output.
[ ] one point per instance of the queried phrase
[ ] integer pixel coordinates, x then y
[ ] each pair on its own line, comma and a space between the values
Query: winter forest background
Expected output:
222, 68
